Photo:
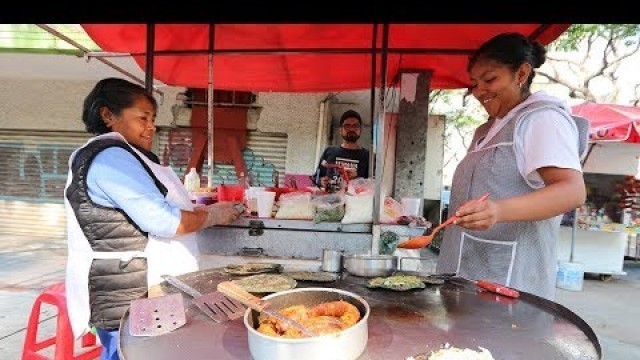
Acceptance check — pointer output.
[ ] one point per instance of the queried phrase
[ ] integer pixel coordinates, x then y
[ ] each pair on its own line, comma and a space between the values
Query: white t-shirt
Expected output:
546, 138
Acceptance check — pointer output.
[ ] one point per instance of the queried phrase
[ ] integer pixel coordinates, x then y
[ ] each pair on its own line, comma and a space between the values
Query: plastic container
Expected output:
412, 206
570, 276
266, 200
192, 181
230, 193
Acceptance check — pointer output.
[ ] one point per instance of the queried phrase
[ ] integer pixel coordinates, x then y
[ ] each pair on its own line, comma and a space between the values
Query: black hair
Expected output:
350, 114
114, 93
512, 50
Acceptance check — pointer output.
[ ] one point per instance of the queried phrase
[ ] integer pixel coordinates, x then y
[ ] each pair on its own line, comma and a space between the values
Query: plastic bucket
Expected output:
570, 276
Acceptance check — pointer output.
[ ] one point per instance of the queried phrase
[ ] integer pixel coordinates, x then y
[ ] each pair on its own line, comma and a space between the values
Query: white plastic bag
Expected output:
358, 209
391, 211
296, 206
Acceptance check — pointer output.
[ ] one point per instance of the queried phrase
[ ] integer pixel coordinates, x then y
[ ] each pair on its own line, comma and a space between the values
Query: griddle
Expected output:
401, 324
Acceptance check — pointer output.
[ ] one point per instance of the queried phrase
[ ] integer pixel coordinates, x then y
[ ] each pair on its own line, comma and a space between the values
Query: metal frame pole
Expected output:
210, 162
380, 145
374, 45
151, 40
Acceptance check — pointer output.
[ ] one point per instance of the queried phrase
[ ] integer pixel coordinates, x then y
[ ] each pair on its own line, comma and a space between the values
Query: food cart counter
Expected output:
269, 238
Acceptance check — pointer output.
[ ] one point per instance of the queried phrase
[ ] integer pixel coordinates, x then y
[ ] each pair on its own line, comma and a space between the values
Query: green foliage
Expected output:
575, 34
460, 110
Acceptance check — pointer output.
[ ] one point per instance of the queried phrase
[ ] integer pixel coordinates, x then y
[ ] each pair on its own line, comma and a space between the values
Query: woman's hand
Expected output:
221, 213
479, 216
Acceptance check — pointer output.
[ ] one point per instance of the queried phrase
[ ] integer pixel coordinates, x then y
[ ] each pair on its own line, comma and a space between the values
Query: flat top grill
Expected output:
401, 324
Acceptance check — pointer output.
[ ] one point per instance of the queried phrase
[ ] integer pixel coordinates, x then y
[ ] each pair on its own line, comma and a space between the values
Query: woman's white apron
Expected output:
173, 256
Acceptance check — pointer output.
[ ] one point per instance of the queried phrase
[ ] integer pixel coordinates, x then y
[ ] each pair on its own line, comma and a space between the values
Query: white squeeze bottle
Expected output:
192, 180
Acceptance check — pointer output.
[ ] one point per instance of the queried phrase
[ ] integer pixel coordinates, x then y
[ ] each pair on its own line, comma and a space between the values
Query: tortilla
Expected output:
397, 282
252, 268
317, 276
453, 353
266, 283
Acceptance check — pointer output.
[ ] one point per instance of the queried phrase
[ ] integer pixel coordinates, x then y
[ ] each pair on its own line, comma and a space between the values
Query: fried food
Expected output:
347, 312
324, 318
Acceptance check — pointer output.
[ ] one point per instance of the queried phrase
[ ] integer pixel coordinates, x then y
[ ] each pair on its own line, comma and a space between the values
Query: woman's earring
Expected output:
521, 84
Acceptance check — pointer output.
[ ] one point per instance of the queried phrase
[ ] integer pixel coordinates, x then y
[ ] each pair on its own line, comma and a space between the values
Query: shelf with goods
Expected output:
605, 224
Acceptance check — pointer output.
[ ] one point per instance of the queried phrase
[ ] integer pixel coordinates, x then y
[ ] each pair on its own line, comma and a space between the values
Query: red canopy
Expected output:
306, 57
610, 122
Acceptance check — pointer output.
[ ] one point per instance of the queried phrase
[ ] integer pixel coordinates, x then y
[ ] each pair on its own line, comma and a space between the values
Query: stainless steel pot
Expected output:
331, 260
370, 265
348, 344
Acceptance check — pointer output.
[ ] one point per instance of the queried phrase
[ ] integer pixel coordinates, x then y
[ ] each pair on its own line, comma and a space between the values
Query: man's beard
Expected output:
351, 137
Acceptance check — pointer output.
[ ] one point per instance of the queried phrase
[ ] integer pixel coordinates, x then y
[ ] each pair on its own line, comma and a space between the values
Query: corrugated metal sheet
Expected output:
265, 154
34, 165
33, 172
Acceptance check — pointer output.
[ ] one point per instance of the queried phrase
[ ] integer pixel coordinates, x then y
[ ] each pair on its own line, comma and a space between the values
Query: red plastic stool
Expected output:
63, 340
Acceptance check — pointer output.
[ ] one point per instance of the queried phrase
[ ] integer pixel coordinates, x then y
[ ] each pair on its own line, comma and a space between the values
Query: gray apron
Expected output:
519, 254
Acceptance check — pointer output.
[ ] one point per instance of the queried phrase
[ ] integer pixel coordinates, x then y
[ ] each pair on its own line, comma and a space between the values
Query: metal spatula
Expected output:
157, 315
215, 305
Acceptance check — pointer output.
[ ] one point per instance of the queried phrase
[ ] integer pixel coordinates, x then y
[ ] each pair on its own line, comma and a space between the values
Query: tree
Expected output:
588, 60
582, 62
463, 116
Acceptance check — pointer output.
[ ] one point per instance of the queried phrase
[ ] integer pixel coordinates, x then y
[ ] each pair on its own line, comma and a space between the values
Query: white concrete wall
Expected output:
297, 115
56, 105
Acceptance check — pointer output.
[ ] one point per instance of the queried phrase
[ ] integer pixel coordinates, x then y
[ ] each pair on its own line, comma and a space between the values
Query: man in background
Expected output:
349, 155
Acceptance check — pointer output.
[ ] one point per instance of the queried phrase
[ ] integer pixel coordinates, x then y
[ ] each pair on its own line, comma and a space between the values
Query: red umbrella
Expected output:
610, 122
307, 57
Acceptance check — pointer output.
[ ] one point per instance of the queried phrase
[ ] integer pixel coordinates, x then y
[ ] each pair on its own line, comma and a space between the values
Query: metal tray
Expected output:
401, 324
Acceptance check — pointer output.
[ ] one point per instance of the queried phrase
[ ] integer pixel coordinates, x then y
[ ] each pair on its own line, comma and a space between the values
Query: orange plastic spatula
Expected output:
418, 242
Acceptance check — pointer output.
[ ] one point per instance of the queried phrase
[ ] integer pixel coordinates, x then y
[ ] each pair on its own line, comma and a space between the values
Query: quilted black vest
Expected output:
113, 283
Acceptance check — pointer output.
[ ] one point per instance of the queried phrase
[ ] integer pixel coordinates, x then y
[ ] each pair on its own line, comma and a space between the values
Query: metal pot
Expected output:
331, 260
371, 265
348, 344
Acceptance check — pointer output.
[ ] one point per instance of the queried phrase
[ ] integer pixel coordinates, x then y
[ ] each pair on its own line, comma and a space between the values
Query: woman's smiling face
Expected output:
497, 87
135, 123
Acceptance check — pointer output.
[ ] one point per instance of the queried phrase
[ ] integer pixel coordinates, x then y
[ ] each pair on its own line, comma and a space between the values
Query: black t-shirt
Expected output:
349, 158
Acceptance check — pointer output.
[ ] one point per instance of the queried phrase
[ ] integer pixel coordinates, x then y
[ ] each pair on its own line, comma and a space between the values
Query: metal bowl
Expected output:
348, 344
371, 265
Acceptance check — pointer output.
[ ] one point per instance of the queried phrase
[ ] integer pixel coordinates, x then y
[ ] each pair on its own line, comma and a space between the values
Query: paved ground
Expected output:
28, 265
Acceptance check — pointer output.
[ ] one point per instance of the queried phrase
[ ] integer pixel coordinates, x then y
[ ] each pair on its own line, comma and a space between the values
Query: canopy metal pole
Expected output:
212, 32
151, 39
380, 145
575, 211
374, 44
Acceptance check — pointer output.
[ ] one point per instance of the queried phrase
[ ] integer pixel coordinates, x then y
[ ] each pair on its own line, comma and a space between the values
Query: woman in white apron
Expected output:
527, 157
129, 219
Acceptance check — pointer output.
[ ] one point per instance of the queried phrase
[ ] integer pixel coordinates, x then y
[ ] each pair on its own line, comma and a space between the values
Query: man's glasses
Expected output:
351, 127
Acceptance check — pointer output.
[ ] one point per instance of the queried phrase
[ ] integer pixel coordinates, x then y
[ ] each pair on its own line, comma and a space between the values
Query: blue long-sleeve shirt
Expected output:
116, 179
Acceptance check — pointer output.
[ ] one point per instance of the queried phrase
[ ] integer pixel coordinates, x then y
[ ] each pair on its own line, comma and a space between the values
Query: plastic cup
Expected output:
265, 203
252, 199
412, 206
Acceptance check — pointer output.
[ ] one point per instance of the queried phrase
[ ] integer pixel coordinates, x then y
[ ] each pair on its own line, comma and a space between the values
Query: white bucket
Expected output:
570, 276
